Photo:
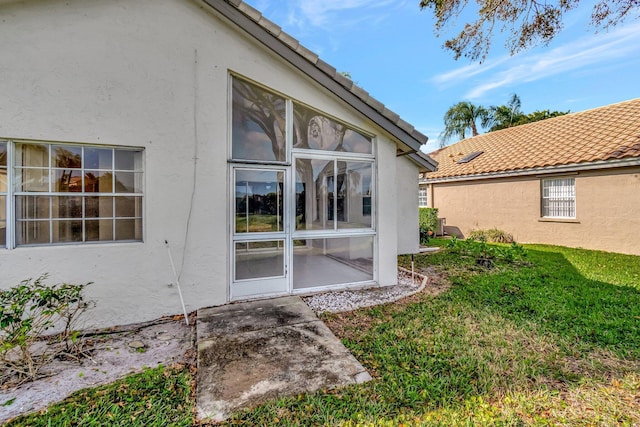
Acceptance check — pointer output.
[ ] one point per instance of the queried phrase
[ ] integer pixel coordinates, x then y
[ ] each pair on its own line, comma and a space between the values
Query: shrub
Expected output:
485, 254
29, 310
428, 220
491, 235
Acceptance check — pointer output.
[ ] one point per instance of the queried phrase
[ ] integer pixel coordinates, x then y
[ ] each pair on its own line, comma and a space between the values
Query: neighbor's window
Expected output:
422, 197
559, 198
75, 193
3, 194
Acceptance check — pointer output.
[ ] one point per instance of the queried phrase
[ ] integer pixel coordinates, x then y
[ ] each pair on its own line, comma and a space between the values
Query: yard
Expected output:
553, 339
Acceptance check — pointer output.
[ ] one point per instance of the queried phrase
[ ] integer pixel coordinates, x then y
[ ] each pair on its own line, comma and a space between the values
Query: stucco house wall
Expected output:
155, 74
607, 206
407, 206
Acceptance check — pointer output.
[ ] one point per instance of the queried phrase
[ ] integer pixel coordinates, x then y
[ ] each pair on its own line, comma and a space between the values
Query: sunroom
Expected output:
304, 210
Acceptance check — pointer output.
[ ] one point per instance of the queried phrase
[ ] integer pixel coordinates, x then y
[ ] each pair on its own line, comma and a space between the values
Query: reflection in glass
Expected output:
3, 221
127, 160
32, 155
259, 259
32, 180
3, 180
353, 197
313, 130
314, 194
98, 230
3, 173
33, 207
3, 154
128, 207
128, 229
128, 182
66, 207
67, 180
66, 156
259, 201
98, 181
327, 199
258, 128
98, 207
98, 158
32, 232
332, 261
66, 231
72, 170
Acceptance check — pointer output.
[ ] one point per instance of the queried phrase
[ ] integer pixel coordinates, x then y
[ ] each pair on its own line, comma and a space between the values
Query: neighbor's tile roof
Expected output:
605, 133
275, 38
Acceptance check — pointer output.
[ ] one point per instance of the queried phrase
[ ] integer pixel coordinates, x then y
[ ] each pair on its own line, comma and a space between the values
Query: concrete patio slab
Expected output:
251, 352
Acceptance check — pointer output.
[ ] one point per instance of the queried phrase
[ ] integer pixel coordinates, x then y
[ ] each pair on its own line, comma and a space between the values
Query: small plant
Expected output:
428, 220
484, 253
27, 312
494, 235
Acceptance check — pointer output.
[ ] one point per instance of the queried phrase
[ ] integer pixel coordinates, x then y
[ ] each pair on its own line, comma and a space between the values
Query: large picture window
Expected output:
304, 189
333, 194
63, 193
258, 124
559, 198
315, 131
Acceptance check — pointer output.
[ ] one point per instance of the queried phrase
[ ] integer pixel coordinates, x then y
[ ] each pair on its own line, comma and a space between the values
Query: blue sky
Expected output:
390, 49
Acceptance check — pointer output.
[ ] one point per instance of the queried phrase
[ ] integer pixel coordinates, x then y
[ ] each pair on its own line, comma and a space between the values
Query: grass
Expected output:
155, 397
553, 341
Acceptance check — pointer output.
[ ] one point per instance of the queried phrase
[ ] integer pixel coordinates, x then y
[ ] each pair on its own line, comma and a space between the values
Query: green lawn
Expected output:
554, 340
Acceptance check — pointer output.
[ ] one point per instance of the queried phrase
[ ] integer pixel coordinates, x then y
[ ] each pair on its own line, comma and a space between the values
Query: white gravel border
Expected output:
340, 301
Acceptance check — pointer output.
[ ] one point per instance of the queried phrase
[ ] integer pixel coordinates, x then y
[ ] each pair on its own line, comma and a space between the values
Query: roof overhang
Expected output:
570, 168
408, 139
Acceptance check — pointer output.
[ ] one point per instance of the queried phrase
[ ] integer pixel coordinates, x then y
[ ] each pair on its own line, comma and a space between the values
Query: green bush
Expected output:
428, 220
29, 310
494, 235
485, 254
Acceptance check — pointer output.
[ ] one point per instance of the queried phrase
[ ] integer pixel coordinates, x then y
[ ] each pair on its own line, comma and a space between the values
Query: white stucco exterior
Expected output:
155, 74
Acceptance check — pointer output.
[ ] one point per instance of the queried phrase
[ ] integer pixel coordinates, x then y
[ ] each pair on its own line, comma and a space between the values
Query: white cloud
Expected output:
321, 13
604, 48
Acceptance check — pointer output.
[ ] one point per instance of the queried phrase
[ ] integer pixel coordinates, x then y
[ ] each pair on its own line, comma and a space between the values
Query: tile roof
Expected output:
272, 36
601, 134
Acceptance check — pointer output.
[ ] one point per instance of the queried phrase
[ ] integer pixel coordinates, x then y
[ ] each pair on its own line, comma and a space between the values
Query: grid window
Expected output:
559, 198
422, 197
75, 193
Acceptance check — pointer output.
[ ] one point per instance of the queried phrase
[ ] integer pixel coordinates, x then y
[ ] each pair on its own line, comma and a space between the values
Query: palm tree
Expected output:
461, 117
505, 116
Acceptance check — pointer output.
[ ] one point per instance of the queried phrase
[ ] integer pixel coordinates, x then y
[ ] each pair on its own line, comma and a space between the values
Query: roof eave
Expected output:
574, 167
424, 162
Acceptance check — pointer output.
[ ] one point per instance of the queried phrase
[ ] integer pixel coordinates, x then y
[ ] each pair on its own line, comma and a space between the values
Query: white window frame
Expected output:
13, 192
292, 154
6, 194
558, 198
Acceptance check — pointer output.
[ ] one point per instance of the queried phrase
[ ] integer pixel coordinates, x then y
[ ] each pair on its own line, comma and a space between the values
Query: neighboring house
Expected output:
128, 123
573, 180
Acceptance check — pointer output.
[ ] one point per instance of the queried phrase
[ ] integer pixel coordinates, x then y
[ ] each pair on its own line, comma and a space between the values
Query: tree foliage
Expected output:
527, 22
509, 115
461, 117
464, 115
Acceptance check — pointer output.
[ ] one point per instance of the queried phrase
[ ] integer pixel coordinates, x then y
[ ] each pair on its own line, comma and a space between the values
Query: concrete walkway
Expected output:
251, 352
